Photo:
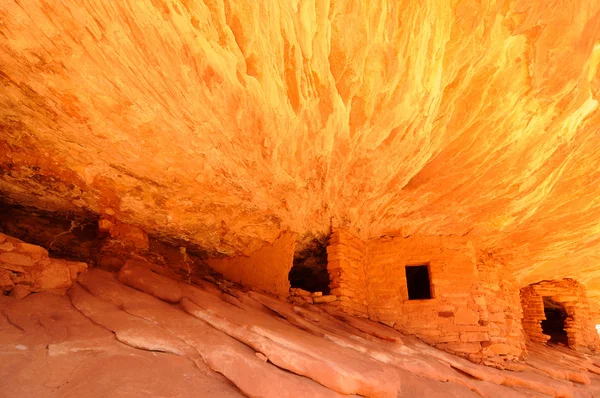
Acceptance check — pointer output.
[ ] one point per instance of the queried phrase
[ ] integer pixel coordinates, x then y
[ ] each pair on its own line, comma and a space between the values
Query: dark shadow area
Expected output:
417, 281
76, 237
554, 324
71, 236
309, 271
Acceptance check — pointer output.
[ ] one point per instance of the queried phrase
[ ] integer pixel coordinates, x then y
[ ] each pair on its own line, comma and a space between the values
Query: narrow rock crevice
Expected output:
10, 321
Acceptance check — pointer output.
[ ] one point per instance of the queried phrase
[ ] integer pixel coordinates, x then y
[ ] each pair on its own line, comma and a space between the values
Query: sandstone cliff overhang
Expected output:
223, 125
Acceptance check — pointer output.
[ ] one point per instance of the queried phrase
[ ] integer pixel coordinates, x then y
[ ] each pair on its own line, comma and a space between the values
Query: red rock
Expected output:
467, 348
366, 326
10, 267
129, 235
504, 349
146, 280
343, 292
33, 249
54, 276
70, 356
266, 269
463, 316
20, 292
17, 259
76, 268
105, 225
299, 292
7, 246
222, 353
129, 329
43, 335
6, 283
324, 299
299, 352
262, 357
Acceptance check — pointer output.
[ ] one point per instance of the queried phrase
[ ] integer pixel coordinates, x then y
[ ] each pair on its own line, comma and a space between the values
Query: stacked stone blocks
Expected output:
346, 267
473, 311
579, 325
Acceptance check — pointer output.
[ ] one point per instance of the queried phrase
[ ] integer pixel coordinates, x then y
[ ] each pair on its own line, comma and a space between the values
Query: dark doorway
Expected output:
554, 324
417, 280
309, 270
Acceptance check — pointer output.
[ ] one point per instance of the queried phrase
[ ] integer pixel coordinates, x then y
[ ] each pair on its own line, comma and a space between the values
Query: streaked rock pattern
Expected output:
225, 123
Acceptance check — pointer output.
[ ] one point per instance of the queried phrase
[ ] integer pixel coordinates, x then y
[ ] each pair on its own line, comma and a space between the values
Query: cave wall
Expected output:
221, 127
266, 269
71, 236
579, 325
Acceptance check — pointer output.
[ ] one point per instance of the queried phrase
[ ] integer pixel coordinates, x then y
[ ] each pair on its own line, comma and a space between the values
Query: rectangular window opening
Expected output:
418, 283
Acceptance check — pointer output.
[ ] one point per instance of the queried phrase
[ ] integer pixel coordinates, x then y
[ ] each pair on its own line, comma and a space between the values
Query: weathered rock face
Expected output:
26, 268
225, 123
266, 269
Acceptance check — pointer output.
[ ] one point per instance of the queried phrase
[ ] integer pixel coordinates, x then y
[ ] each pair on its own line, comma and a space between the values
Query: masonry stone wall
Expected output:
501, 309
449, 320
346, 256
579, 325
474, 310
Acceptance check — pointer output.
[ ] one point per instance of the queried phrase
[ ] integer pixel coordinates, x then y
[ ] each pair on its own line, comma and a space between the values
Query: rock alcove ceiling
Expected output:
223, 124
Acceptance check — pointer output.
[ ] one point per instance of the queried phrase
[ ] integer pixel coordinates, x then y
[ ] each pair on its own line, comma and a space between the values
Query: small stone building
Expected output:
439, 288
558, 311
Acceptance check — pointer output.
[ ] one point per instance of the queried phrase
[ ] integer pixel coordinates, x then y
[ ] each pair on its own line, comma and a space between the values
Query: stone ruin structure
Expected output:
438, 288
559, 311
466, 308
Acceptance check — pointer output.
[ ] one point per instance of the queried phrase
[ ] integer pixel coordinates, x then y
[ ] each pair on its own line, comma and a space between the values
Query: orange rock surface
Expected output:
225, 123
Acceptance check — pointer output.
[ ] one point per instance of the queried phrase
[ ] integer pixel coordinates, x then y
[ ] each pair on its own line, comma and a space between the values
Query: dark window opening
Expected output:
309, 270
417, 280
554, 324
